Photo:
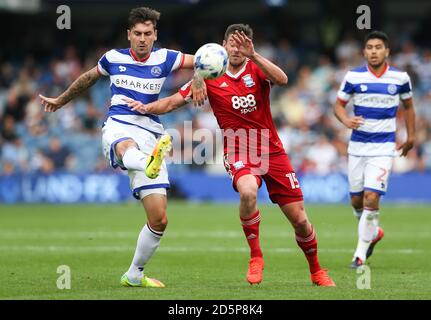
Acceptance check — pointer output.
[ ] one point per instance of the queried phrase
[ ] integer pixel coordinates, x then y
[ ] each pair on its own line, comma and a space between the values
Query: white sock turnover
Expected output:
134, 159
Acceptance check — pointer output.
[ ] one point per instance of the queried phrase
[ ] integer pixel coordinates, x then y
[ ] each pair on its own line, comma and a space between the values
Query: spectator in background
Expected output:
424, 72
426, 153
16, 153
90, 121
68, 69
287, 58
60, 156
8, 129
292, 106
7, 168
348, 50
35, 121
37, 161
19, 95
407, 57
6, 76
102, 165
15, 105
323, 156
320, 79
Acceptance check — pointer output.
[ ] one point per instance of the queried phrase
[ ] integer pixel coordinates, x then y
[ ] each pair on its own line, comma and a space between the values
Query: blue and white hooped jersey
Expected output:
140, 80
376, 99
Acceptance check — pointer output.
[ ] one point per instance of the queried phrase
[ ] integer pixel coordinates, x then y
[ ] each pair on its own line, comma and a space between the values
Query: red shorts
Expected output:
277, 172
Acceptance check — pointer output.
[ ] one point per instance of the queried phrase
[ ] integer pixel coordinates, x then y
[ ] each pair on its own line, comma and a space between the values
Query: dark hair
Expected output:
141, 15
240, 27
377, 35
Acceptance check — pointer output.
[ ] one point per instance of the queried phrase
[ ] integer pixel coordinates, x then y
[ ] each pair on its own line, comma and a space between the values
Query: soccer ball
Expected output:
210, 61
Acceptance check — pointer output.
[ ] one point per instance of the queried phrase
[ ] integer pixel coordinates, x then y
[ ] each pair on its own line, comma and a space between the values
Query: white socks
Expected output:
134, 159
367, 230
148, 242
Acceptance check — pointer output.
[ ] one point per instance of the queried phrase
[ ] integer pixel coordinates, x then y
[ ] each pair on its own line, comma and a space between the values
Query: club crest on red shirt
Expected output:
248, 81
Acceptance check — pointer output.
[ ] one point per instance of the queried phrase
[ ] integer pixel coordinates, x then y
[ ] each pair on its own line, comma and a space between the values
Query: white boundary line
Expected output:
191, 249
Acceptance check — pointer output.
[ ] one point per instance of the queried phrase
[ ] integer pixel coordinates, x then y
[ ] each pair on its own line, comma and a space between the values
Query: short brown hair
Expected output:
240, 27
377, 35
141, 15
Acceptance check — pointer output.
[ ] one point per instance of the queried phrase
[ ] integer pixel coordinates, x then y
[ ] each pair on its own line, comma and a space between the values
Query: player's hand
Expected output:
244, 43
406, 147
354, 123
198, 90
136, 105
50, 104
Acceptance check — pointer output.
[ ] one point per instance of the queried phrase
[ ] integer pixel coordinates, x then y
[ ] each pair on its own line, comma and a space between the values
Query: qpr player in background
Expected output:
376, 90
240, 102
133, 141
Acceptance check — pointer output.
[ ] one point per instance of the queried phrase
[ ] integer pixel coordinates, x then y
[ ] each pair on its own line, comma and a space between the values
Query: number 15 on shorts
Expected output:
293, 181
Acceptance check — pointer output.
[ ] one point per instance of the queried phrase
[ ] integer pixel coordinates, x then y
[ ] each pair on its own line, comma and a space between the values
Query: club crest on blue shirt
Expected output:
156, 71
248, 81
364, 87
122, 68
392, 89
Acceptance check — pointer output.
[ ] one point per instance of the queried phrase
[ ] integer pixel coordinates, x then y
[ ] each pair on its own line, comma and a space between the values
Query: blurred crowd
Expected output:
70, 139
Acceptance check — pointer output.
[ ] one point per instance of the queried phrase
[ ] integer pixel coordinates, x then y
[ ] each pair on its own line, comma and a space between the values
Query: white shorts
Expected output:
369, 173
114, 132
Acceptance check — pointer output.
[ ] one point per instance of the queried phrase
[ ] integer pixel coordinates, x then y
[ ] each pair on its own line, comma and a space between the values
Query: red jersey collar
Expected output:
136, 58
236, 75
381, 74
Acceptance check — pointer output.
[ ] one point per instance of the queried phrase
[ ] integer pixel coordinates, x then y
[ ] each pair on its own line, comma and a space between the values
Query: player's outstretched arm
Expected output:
341, 115
188, 61
161, 106
85, 81
271, 71
198, 88
409, 116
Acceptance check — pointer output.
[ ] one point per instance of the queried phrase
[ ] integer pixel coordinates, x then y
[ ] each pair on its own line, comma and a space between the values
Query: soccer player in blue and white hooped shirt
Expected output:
131, 140
375, 90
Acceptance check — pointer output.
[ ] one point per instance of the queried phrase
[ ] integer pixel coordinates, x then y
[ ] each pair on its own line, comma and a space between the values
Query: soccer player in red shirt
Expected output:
240, 102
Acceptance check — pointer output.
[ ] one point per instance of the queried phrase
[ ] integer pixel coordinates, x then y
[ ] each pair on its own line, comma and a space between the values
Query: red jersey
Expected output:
241, 102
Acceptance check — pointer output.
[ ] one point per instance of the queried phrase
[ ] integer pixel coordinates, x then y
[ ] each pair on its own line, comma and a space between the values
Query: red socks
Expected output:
309, 246
251, 231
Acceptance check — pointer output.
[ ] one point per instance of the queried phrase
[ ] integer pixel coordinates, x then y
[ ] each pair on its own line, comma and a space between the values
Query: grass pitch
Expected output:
204, 254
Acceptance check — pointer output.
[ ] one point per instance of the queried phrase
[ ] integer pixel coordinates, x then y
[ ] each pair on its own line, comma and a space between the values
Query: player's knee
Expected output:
163, 222
357, 204
371, 199
248, 196
122, 146
357, 201
159, 223
158, 219
300, 223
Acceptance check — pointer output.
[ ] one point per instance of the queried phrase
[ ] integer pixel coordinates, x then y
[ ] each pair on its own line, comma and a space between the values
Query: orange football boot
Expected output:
321, 278
255, 268
380, 235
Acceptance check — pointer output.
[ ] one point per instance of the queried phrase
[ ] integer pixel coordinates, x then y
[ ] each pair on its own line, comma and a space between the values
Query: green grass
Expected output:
204, 255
